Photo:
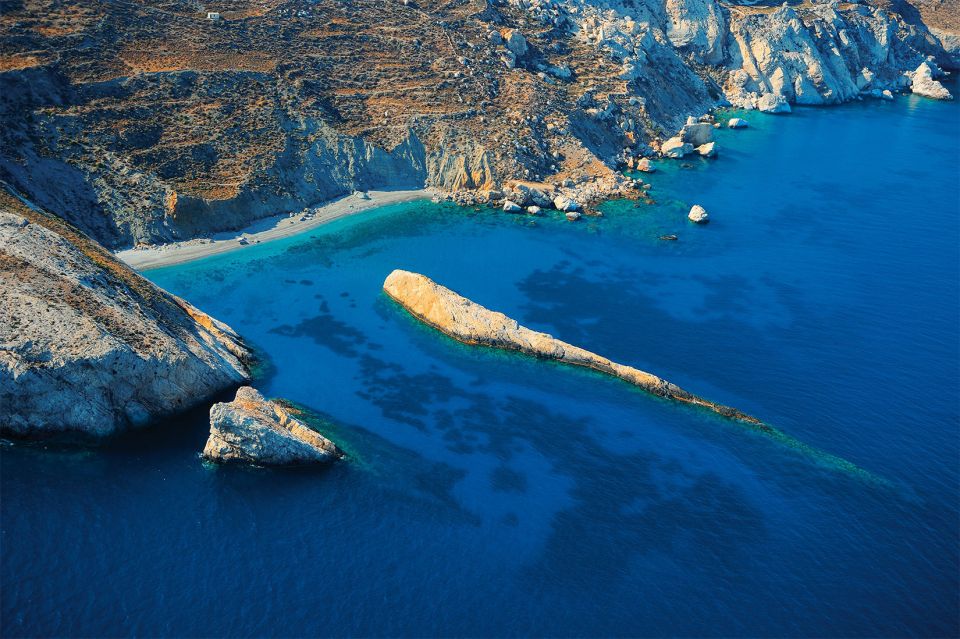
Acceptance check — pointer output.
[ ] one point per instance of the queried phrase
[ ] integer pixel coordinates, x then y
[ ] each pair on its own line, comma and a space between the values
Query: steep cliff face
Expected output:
145, 122
820, 53
89, 347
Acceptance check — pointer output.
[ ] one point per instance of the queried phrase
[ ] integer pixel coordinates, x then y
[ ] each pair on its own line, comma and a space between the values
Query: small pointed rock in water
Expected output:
253, 430
698, 214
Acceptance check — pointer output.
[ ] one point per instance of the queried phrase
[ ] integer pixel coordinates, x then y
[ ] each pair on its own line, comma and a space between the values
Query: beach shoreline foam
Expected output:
264, 230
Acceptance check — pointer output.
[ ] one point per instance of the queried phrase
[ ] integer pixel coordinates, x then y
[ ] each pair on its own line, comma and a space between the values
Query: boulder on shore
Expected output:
563, 203
698, 214
676, 148
708, 150
645, 165
253, 430
773, 103
511, 207
697, 133
923, 83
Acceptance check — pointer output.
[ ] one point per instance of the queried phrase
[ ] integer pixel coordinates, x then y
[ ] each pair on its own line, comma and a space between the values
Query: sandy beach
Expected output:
265, 230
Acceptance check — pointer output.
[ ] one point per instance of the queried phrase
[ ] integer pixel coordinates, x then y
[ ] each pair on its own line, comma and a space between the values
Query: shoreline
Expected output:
263, 230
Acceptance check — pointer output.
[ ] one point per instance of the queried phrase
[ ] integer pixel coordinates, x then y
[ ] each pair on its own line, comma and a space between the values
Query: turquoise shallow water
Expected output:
490, 494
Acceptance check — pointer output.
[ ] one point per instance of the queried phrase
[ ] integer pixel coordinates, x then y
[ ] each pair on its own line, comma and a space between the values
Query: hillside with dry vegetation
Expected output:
147, 121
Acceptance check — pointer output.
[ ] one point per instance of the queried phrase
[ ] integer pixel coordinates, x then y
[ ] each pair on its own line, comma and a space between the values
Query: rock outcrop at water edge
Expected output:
87, 346
253, 430
922, 82
471, 323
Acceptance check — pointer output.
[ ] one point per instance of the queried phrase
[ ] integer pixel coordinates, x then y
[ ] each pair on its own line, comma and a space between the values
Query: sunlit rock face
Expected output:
253, 430
89, 347
471, 323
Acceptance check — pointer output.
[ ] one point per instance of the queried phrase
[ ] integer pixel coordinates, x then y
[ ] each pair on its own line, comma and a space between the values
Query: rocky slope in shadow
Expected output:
148, 122
87, 346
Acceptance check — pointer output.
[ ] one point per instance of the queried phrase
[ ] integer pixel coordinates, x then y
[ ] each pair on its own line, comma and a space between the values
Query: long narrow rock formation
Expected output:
471, 323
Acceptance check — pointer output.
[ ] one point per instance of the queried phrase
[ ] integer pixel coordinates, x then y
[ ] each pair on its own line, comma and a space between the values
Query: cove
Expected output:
489, 494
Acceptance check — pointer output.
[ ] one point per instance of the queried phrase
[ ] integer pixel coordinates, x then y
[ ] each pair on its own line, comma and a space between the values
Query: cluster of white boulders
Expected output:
696, 136
514, 45
567, 197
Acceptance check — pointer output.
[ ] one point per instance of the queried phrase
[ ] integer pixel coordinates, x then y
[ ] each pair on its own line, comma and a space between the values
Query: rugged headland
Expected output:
87, 346
148, 122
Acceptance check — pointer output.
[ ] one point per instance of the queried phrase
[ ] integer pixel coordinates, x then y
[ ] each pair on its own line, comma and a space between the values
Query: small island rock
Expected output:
698, 214
253, 430
737, 123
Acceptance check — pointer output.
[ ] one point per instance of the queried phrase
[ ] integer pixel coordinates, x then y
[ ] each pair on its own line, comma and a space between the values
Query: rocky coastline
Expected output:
141, 144
88, 347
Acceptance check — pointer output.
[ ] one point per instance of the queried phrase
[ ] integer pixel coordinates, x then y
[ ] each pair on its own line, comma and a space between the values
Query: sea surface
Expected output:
492, 494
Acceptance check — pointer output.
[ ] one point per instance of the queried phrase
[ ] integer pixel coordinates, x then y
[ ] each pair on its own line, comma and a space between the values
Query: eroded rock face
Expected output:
89, 347
923, 83
471, 323
253, 430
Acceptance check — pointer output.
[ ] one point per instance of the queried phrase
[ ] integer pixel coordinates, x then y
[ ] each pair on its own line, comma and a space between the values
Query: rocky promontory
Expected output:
87, 346
471, 323
253, 430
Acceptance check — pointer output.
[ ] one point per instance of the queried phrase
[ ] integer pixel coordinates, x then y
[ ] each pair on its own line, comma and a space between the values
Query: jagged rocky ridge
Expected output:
87, 346
146, 122
253, 430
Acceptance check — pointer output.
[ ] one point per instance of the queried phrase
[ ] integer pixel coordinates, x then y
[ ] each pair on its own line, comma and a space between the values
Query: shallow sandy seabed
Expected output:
271, 228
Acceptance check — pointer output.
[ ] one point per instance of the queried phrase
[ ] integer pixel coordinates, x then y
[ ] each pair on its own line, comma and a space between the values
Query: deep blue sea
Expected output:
491, 494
